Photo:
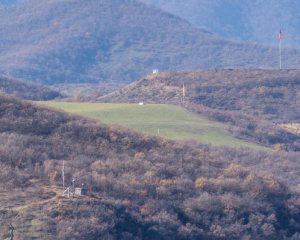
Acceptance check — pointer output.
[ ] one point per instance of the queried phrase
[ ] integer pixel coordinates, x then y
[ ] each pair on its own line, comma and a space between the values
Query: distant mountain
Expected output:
10, 1
25, 90
253, 102
256, 21
138, 187
62, 41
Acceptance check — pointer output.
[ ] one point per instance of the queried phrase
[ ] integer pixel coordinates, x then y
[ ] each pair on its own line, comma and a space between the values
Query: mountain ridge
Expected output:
75, 42
253, 21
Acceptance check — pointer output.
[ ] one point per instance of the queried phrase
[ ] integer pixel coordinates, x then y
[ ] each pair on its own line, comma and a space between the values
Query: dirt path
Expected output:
52, 194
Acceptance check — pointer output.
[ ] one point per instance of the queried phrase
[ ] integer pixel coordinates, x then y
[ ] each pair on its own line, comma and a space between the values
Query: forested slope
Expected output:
139, 187
25, 90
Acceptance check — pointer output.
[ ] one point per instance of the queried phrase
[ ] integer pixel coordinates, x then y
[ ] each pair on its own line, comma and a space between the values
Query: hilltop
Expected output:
271, 94
62, 41
253, 102
254, 21
139, 186
25, 90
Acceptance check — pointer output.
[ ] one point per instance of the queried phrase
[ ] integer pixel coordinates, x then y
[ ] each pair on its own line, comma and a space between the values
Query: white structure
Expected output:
141, 104
154, 71
80, 191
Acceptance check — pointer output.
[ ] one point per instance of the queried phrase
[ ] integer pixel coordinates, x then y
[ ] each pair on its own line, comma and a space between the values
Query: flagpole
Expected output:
280, 47
280, 54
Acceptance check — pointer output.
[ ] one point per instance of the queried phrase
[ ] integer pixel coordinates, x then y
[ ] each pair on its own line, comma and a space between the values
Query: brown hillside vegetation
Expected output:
140, 187
253, 102
26, 90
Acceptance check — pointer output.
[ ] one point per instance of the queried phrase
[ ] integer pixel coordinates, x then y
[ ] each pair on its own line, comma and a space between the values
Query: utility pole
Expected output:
73, 182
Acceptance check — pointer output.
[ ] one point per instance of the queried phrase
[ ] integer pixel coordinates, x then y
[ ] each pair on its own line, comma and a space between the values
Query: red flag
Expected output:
280, 36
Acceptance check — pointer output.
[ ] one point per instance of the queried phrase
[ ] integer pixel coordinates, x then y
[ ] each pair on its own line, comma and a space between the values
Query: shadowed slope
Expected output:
24, 90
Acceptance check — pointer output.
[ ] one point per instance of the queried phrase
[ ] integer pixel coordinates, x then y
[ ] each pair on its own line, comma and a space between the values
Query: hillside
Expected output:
254, 102
25, 90
255, 21
163, 120
139, 187
62, 41
271, 94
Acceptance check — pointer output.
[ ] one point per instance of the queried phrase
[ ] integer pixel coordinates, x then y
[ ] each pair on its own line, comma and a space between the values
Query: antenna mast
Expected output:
63, 176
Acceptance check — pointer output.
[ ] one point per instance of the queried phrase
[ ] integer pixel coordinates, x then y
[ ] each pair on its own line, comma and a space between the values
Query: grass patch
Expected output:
167, 121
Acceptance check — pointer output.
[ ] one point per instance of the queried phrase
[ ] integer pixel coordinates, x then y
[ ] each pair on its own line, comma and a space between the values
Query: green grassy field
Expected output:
167, 121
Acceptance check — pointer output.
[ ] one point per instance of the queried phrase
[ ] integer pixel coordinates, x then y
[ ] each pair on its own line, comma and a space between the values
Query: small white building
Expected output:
80, 191
154, 71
